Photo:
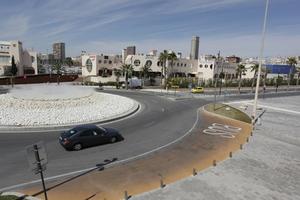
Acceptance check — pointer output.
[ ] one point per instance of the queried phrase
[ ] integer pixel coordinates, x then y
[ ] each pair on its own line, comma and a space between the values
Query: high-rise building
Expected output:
130, 50
59, 51
194, 48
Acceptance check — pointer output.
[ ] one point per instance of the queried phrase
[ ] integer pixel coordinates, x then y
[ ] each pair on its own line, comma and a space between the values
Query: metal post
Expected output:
216, 81
37, 157
260, 61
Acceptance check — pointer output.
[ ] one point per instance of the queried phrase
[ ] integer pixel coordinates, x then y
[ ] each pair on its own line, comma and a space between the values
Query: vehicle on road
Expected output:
133, 83
88, 135
197, 90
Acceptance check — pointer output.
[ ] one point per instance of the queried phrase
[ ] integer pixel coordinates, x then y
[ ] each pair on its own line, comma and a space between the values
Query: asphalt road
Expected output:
159, 122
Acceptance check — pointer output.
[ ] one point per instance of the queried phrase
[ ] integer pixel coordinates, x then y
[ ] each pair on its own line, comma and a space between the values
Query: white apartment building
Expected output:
101, 67
25, 60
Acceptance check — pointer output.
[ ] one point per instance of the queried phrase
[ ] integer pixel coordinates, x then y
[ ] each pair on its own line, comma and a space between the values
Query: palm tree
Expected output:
145, 71
57, 67
292, 62
255, 69
172, 57
240, 70
127, 71
163, 57
117, 73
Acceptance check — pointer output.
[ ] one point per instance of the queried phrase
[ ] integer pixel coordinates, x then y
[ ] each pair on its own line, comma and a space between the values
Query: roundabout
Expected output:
51, 105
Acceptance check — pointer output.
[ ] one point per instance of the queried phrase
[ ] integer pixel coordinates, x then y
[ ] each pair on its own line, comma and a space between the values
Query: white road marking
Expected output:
108, 165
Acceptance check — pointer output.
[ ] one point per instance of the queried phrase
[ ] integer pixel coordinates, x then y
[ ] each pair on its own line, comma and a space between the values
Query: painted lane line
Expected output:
108, 165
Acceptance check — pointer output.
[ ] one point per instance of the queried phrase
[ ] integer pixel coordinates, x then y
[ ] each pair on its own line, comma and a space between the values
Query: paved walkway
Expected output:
268, 168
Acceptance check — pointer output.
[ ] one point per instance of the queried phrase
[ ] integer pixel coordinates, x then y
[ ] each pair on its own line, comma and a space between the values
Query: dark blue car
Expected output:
88, 135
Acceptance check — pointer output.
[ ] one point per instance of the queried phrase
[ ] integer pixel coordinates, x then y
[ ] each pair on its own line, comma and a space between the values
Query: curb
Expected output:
17, 194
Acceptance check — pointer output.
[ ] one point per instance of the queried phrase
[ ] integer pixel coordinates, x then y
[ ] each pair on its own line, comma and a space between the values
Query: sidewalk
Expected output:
268, 168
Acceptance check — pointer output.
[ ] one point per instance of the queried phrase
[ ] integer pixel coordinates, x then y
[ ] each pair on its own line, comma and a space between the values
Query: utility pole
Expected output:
260, 62
216, 80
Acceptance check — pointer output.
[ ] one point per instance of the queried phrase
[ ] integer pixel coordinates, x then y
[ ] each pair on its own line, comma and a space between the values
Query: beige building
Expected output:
25, 60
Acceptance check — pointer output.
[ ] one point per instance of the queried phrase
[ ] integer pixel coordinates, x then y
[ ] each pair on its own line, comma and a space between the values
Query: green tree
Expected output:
69, 61
240, 70
255, 69
163, 57
172, 57
117, 73
145, 72
13, 71
57, 67
292, 61
127, 70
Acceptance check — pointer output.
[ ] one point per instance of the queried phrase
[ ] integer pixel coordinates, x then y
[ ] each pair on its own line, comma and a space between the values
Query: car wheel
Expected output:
77, 147
113, 139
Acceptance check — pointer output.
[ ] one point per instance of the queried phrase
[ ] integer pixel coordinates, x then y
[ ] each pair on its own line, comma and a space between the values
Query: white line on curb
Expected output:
112, 164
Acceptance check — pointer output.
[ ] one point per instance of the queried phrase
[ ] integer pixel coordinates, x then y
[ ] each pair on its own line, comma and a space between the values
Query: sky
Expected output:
232, 27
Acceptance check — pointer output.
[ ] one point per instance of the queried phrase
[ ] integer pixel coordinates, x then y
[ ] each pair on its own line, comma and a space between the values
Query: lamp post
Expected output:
260, 62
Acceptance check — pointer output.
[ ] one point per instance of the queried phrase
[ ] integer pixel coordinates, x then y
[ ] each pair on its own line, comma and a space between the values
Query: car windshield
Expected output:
102, 129
70, 132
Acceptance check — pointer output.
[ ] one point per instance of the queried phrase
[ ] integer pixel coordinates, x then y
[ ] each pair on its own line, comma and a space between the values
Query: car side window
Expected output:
95, 133
101, 132
86, 133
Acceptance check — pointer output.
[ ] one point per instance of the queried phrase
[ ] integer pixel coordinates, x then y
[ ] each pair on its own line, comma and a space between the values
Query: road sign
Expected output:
37, 159
31, 157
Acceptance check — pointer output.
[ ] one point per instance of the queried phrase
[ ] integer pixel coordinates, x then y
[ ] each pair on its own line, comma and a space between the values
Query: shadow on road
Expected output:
98, 167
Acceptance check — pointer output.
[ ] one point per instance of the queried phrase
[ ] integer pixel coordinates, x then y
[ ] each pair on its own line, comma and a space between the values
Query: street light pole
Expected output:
260, 62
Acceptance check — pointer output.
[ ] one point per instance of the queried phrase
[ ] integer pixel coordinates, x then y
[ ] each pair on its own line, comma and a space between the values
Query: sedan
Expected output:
88, 135
197, 90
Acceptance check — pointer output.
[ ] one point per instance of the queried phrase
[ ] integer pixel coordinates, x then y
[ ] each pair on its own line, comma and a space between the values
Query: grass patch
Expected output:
228, 111
8, 197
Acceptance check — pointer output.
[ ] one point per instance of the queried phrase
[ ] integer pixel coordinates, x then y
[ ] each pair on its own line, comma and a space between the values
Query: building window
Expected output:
109, 62
181, 64
206, 66
4, 59
211, 66
185, 64
158, 63
201, 66
148, 63
105, 57
89, 65
105, 61
137, 62
100, 61
32, 59
177, 64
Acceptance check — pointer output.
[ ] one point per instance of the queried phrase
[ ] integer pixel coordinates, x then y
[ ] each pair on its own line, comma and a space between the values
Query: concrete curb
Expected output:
17, 194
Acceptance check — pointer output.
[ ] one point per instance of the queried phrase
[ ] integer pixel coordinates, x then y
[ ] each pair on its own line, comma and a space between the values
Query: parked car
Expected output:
88, 135
197, 90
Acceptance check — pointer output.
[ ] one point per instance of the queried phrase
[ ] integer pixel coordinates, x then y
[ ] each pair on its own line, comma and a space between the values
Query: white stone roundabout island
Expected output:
44, 105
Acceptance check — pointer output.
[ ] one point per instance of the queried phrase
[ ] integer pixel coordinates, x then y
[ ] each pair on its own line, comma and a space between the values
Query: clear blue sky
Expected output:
107, 26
